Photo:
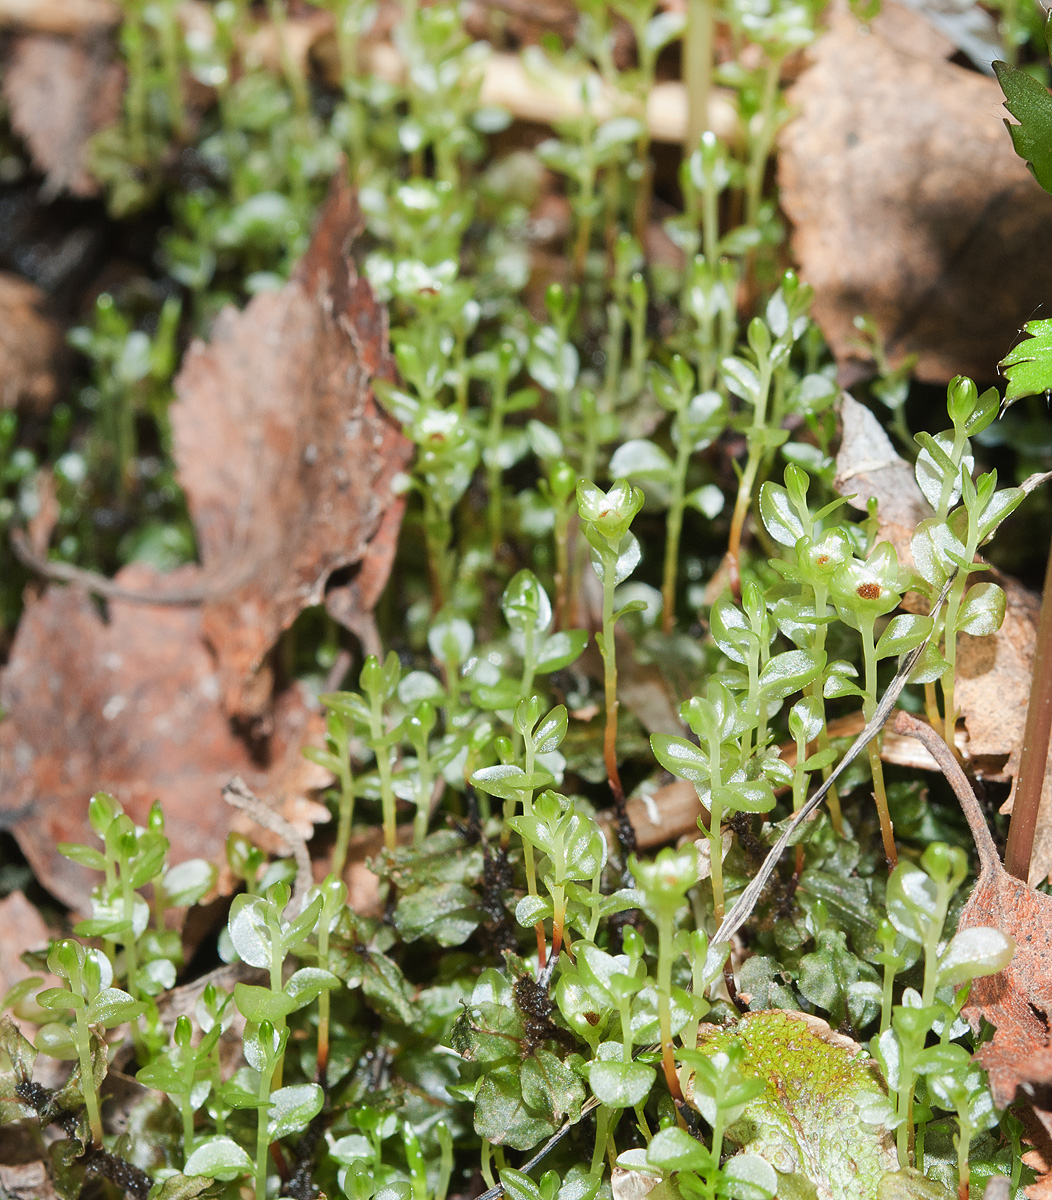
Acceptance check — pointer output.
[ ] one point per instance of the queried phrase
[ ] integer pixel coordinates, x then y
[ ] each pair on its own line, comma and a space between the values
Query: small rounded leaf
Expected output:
620, 1084
983, 610
674, 1149
975, 951
218, 1158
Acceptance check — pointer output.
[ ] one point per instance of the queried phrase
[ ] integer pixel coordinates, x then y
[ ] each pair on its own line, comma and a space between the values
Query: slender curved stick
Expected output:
100, 585
956, 778
238, 794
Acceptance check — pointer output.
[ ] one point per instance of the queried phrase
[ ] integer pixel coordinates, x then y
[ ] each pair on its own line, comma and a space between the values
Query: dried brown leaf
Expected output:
31, 347
22, 928
131, 706
907, 199
286, 459
60, 92
869, 467
1018, 1000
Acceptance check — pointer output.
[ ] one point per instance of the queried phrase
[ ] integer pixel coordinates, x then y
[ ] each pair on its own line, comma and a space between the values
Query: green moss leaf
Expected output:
805, 1121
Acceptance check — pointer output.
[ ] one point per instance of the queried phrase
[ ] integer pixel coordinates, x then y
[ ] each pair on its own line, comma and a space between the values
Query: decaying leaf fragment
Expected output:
131, 706
60, 92
285, 457
907, 199
869, 467
1018, 1000
31, 346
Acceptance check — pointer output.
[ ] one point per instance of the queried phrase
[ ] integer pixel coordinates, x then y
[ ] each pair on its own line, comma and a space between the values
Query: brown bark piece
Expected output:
286, 459
907, 199
130, 706
60, 92
26, 1181
31, 347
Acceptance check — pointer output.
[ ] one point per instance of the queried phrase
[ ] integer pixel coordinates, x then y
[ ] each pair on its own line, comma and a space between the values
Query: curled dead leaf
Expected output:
130, 705
286, 459
60, 92
869, 467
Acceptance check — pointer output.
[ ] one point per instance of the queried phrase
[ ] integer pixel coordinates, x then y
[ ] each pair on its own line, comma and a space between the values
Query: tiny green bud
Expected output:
562, 479
945, 864
370, 678
683, 373
961, 398
334, 893
102, 810
759, 338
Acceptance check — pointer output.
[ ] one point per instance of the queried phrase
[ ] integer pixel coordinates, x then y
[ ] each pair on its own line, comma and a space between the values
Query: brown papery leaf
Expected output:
286, 459
869, 467
907, 199
31, 347
60, 92
130, 706
1018, 1000
22, 928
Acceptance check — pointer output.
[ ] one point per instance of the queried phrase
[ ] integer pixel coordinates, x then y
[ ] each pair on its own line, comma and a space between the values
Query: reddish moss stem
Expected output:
1034, 756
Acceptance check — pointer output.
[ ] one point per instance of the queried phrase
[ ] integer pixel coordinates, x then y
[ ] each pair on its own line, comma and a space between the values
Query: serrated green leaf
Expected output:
560, 650
1028, 100
1028, 366
113, 1007
293, 1108
260, 1004
680, 757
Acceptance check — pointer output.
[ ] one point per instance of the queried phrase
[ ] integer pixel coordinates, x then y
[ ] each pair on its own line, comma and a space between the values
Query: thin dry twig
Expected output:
100, 585
956, 778
238, 794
